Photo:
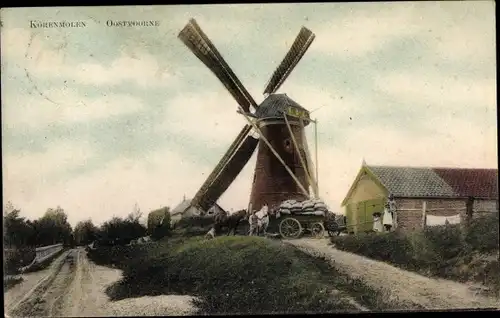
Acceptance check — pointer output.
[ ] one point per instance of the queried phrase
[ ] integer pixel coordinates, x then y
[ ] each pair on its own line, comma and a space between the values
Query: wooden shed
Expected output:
420, 193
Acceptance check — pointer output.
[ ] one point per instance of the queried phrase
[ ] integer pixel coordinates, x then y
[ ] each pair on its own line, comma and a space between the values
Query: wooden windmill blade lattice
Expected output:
292, 58
227, 169
229, 173
197, 41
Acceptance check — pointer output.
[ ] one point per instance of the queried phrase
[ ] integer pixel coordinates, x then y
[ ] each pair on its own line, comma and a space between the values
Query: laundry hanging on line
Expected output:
434, 220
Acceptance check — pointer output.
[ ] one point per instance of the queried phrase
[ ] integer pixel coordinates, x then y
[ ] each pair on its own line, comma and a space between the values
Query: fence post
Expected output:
469, 210
424, 214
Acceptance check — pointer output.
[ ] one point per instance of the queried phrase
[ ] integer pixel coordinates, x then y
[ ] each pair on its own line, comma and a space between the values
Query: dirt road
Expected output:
407, 289
73, 286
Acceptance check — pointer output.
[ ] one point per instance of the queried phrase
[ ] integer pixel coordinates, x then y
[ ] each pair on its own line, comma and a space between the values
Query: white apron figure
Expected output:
377, 224
387, 220
392, 210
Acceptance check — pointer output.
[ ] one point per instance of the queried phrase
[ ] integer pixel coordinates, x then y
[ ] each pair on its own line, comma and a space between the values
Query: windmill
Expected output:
284, 167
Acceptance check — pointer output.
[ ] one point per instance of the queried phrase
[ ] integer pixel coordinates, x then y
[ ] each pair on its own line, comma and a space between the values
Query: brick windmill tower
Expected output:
276, 127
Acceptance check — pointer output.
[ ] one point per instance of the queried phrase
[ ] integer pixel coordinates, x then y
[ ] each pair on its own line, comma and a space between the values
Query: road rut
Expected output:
75, 287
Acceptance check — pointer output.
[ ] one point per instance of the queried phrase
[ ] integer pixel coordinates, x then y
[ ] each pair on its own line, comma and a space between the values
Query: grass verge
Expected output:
46, 263
462, 254
236, 275
11, 281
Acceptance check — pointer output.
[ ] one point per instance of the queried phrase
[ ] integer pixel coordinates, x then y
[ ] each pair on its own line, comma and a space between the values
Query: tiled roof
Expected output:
274, 106
181, 207
412, 182
438, 182
478, 183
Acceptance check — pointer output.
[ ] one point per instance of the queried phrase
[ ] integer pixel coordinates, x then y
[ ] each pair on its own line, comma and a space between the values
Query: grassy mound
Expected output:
196, 221
246, 275
200, 225
444, 251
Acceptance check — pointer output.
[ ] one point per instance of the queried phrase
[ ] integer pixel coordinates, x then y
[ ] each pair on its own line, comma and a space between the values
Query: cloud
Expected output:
325, 101
63, 107
26, 175
462, 31
145, 71
446, 91
452, 31
47, 57
207, 116
364, 31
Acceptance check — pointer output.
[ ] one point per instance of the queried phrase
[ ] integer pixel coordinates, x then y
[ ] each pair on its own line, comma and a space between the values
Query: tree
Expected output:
85, 232
135, 215
17, 231
53, 228
9, 207
122, 231
159, 223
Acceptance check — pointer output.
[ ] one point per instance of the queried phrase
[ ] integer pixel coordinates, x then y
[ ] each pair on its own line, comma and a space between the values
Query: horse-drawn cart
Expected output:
296, 218
334, 225
294, 226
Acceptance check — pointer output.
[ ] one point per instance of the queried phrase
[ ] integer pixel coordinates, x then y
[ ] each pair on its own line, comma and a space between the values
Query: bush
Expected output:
16, 258
482, 233
190, 231
391, 247
234, 275
447, 240
116, 255
11, 281
448, 251
196, 221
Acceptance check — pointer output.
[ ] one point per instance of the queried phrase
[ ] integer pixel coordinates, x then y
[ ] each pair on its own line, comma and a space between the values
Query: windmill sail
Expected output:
292, 58
197, 41
237, 144
228, 173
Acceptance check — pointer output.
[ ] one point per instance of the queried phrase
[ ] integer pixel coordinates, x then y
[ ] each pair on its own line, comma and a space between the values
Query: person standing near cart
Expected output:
254, 223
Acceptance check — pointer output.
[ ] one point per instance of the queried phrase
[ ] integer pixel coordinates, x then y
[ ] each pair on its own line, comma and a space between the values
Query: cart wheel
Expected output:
290, 228
318, 230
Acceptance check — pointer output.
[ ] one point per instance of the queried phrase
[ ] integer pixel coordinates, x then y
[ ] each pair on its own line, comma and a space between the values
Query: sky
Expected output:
97, 119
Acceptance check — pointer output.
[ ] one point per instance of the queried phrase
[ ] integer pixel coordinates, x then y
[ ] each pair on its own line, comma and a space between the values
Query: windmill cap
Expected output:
275, 105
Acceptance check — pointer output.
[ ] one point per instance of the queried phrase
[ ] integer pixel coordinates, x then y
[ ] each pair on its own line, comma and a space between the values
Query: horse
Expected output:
262, 219
231, 221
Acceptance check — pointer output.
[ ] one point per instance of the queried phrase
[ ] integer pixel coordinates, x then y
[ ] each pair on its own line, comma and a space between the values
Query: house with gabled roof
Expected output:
184, 210
419, 191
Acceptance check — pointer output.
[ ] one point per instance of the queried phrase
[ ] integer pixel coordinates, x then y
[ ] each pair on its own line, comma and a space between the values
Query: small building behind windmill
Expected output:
421, 194
184, 210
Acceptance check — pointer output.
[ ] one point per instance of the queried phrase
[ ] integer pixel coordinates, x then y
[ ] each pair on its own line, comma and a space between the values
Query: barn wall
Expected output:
482, 207
365, 190
408, 214
409, 211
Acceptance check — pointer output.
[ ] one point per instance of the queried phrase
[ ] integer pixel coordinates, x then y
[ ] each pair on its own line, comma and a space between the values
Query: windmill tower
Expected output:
284, 168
